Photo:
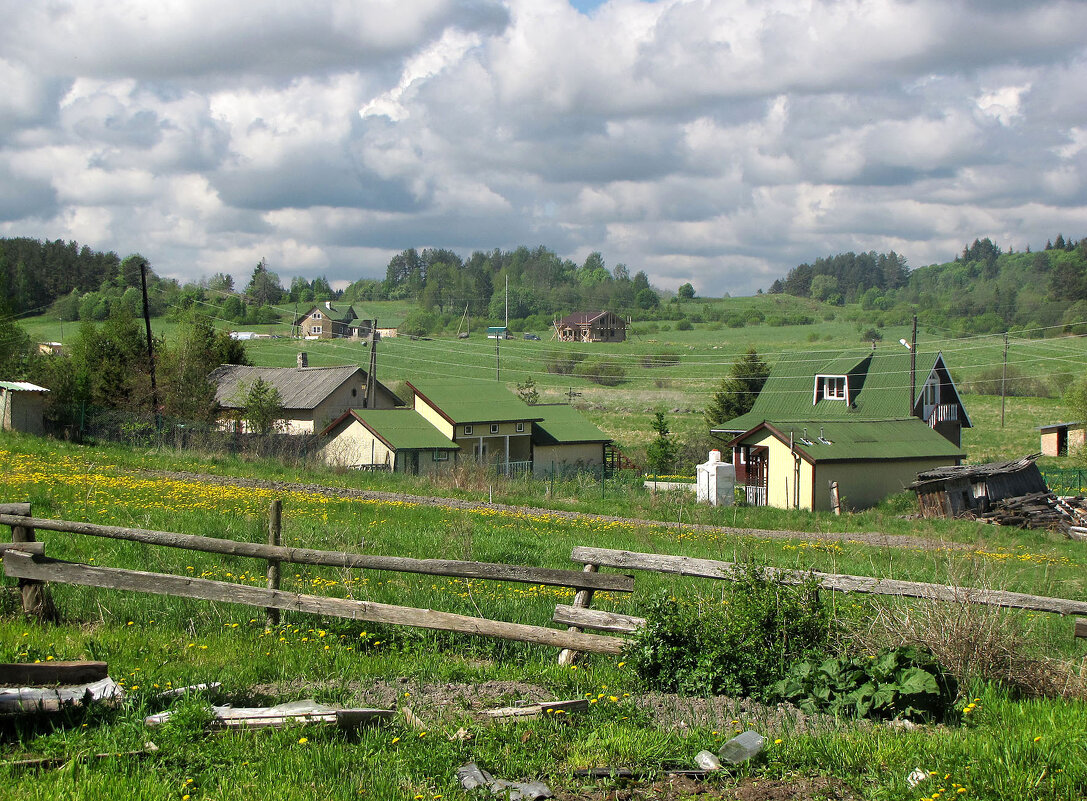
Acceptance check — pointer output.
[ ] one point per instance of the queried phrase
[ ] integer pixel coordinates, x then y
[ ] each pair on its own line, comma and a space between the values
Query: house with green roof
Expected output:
890, 416
488, 423
564, 442
399, 440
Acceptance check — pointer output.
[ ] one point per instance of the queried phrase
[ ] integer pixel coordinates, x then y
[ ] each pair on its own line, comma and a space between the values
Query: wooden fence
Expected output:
25, 560
595, 558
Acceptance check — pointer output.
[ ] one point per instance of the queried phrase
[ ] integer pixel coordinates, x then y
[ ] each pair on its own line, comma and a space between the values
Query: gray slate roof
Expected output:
299, 387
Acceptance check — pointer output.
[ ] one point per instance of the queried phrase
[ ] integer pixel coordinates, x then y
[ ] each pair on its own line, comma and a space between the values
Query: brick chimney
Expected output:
303, 359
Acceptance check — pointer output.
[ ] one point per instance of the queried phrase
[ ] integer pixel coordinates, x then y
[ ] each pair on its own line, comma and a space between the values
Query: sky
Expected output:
716, 142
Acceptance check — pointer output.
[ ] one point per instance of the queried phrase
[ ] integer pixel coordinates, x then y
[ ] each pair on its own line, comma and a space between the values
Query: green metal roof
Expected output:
879, 388
474, 401
403, 429
869, 440
563, 424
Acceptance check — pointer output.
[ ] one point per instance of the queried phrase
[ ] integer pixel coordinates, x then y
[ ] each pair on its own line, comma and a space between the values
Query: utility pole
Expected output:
507, 301
150, 349
371, 375
913, 366
497, 357
1004, 380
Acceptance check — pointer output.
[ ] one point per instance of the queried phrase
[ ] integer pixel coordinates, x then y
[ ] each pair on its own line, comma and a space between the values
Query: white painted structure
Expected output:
716, 481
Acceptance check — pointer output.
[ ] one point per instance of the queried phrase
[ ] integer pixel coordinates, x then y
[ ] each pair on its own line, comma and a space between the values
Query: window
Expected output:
930, 393
317, 315
441, 456
315, 329
467, 430
494, 428
520, 428
834, 387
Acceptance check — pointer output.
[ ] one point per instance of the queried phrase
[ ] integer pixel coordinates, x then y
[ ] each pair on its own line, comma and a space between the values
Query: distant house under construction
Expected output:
595, 326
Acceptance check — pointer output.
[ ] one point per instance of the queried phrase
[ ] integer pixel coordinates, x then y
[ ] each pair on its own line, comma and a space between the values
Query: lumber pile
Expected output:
1037, 510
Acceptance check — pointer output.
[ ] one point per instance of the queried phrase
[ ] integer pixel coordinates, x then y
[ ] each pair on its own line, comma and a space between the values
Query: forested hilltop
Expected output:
984, 290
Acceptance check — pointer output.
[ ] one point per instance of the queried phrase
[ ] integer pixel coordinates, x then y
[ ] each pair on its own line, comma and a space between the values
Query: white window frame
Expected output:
520, 428
468, 431
317, 315
316, 329
826, 387
440, 455
494, 428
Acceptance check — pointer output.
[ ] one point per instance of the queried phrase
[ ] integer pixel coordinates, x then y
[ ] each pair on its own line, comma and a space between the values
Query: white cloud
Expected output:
714, 141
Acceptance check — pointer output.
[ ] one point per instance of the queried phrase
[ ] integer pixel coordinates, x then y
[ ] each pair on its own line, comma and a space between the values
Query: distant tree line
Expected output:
983, 290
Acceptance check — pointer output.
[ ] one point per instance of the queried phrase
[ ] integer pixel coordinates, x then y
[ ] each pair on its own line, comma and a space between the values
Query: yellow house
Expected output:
564, 442
398, 440
488, 423
791, 465
1060, 439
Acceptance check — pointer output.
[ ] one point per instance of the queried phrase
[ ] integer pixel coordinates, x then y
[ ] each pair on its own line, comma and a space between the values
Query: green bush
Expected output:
565, 365
603, 372
684, 325
740, 645
662, 359
905, 682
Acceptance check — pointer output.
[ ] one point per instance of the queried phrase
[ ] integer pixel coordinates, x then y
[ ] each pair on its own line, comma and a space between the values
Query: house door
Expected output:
758, 472
413, 463
479, 450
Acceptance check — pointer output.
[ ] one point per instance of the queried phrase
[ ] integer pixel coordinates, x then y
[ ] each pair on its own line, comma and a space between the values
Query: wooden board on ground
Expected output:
294, 713
28, 700
20, 565
43, 674
537, 710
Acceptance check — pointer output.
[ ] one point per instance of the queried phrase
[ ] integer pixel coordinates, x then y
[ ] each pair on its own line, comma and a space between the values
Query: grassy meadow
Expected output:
1009, 747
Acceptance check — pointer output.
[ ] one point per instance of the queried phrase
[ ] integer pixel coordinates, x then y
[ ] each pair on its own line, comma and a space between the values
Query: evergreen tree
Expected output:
738, 391
262, 407
661, 452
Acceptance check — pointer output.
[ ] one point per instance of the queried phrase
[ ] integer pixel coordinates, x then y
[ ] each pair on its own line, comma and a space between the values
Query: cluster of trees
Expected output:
983, 290
539, 281
106, 367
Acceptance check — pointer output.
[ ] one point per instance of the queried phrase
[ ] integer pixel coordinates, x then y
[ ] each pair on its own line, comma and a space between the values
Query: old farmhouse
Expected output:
328, 322
868, 422
596, 326
311, 397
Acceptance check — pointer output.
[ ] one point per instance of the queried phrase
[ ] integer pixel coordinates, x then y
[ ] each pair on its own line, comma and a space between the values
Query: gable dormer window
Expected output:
830, 387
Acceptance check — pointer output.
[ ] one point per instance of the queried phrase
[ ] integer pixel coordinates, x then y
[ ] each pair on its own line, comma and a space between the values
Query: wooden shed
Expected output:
970, 489
22, 406
1060, 439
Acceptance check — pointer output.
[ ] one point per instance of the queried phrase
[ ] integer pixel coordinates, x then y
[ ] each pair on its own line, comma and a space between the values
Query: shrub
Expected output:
905, 682
740, 645
1018, 385
684, 325
565, 365
605, 373
662, 359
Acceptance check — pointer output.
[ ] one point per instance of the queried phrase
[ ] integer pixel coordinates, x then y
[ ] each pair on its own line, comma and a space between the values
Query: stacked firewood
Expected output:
1038, 510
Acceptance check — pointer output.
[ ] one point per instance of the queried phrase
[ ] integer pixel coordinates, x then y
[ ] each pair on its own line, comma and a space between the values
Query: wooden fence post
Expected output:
1081, 627
36, 598
582, 599
275, 528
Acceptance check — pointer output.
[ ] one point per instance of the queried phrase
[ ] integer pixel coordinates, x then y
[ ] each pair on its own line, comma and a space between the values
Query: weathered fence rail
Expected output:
727, 571
25, 560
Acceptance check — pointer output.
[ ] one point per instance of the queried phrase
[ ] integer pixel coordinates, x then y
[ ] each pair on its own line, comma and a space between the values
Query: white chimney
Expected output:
303, 359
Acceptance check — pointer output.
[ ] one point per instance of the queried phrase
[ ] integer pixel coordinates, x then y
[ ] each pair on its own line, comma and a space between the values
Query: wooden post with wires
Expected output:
1004, 380
371, 377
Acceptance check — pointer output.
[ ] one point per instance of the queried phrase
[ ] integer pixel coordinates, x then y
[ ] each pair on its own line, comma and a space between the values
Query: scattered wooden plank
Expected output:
19, 565
295, 713
307, 556
537, 710
1077, 533
177, 692
597, 620
39, 674
412, 719
709, 568
41, 763
1081, 627
28, 700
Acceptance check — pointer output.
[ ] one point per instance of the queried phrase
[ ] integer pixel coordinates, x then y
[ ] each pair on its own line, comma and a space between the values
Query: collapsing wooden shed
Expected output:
969, 490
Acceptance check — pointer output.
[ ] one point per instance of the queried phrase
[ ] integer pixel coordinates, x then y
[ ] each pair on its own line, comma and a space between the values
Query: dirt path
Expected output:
864, 538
